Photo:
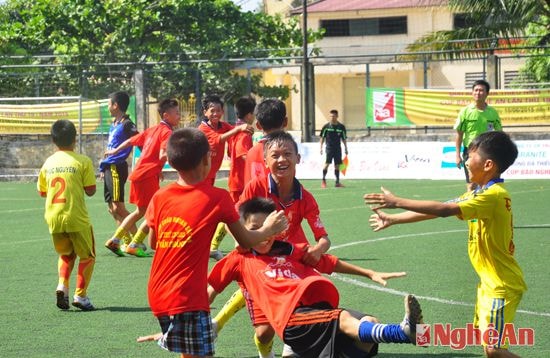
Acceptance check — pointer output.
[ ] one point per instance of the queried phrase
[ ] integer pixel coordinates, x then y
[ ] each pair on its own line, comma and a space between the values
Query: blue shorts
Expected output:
187, 333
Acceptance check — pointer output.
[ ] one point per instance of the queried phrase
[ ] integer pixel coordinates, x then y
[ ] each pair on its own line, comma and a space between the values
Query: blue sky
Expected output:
248, 5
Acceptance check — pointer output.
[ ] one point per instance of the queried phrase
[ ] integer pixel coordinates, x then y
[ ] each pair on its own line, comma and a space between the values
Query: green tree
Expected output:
493, 23
95, 46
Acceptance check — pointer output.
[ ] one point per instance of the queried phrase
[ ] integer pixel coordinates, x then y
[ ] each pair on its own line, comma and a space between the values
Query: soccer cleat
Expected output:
287, 352
216, 255
138, 250
62, 300
338, 185
324, 184
413, 316
83, 303
114, 246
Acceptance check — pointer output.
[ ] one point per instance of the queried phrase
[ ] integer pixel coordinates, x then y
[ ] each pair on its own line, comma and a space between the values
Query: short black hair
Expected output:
497, 146
121, 99
186, 148
211, 99
244, 106
256, 205
279, 137
271, 114
483, 83
63, 133
166, 104
333, 111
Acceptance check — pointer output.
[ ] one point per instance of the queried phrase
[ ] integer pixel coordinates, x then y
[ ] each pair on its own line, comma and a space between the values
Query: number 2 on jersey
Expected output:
60, 189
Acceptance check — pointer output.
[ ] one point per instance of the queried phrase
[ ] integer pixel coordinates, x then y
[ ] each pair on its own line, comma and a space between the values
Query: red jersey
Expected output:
302, 207
255, 164
238, 146
152, 141
216, 145
184, 219
278, 284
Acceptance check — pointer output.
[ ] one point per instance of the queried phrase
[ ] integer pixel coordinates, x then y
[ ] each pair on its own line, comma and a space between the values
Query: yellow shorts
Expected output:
496, 312
81, 243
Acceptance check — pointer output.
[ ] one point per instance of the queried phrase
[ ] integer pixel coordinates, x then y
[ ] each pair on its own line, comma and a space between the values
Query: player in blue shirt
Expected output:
114, 168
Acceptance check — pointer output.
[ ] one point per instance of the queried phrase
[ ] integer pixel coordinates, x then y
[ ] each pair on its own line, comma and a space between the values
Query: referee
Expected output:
333, 132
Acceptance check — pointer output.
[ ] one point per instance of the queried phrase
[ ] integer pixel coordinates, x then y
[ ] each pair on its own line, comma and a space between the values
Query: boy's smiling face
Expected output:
214, 113
281, 159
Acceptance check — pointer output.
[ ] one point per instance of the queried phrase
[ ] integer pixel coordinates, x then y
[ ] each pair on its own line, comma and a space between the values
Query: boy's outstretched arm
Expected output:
434, 208
381, 220
380, 277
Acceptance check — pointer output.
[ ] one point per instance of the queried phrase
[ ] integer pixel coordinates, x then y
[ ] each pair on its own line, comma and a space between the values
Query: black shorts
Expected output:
313, 331
334, 154
114, 179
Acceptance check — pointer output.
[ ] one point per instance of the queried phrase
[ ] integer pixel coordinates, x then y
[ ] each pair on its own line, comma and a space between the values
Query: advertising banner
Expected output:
417, 107
38, 118
418, 160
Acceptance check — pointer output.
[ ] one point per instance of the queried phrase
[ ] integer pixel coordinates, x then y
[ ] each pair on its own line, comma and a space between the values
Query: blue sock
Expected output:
370, 332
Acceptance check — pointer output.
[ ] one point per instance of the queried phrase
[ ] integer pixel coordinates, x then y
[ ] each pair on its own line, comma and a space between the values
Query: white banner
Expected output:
418, 160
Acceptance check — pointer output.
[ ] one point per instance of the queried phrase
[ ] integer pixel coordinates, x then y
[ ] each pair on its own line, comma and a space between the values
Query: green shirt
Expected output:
472, 122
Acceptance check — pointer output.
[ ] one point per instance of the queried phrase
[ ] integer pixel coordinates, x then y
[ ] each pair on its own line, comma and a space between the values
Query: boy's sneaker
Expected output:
62, 300
114, 246
413, 316
324, 184
138, 250
338, 185
83, 303
216, 255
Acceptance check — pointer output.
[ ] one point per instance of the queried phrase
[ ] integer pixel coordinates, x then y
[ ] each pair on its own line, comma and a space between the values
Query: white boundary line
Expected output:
392, 291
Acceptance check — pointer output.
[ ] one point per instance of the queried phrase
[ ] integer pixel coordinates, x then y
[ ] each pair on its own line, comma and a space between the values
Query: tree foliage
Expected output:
96, 45
491, 24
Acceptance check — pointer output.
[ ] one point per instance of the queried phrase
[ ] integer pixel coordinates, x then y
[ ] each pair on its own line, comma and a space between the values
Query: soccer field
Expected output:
433, 253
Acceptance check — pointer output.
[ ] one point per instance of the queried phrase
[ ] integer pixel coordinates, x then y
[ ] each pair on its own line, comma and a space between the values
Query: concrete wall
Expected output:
21, 156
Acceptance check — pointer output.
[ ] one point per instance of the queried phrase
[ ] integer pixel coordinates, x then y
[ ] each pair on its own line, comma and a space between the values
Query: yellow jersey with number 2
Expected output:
63, 178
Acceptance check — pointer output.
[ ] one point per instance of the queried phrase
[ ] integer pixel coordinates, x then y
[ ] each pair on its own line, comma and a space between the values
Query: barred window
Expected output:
365, 27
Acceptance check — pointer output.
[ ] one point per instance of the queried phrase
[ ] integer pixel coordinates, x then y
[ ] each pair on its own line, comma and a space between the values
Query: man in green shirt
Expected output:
474, 119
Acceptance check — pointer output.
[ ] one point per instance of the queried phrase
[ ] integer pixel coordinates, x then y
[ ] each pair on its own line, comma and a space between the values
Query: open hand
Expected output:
381, 277
384, 200
379, 220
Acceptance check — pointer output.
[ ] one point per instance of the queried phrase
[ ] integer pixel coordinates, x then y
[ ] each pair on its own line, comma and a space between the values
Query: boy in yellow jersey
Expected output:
488, 210
63, 180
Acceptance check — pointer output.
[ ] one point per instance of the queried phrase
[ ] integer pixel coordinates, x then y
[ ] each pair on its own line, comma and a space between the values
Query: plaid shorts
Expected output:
188, 333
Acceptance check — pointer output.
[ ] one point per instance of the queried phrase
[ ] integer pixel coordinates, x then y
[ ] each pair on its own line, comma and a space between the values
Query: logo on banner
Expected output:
384, 106
442, 334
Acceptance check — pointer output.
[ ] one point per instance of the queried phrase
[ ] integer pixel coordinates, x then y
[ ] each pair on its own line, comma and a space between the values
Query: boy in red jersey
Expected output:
237, 148
145, 177
301, 304
217, 132
239, 145
281, 186
270, 116
182, 217
63, 180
